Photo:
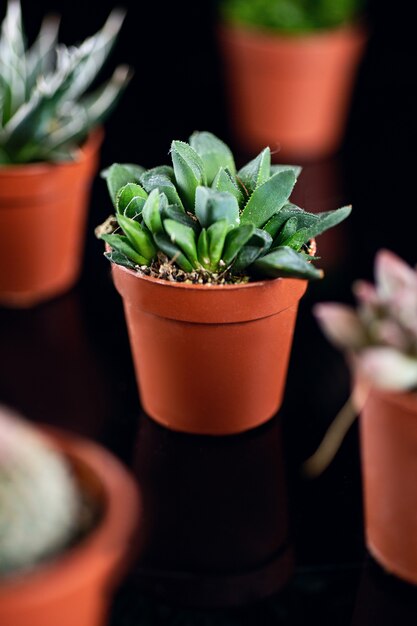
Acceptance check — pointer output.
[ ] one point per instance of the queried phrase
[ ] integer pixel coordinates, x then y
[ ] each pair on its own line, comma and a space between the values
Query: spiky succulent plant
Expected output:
380, 336
200, 220
44, 114
40, 507
291, 17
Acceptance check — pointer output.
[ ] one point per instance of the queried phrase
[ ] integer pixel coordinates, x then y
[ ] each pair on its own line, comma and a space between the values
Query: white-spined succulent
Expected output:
44, 114
40, 506
380, 336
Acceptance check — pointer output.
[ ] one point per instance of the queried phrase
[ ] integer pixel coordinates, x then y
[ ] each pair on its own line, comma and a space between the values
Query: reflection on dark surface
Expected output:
48, 370
383, 600
215, 525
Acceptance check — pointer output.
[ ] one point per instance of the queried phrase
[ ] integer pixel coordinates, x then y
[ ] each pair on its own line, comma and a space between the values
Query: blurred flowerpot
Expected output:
75, 588
217, 535
209, 359
43, 210
389, 459
291, 92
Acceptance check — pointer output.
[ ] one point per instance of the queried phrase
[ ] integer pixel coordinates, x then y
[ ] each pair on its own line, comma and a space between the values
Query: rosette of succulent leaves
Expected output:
44, 114
202, 221
380, 335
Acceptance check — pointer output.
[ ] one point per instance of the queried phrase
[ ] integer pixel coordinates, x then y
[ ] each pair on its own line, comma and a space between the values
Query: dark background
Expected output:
178, 88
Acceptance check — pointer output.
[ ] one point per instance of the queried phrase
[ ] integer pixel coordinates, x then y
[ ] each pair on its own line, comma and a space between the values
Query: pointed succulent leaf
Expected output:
116, 177
341, 325
285, 262
216, 236
212, 206
327, 220
93, 52
256, 172
173, 252
163, 170
393, 276
262, 239
235, 240
159, 178
189, 171
120, 259
151, 213
297, 240
213, 152
100, 103
387, 368
184, 237
40, 57
246, 256
171, 211
225, 182
139, 237
203, 249
287, 231
268, 199
130, 200
304, 219
121, 244
297, 169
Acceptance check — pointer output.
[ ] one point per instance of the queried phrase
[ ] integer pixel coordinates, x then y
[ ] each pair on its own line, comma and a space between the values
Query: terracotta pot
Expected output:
75, 589
209, 360
291, 93
389, 459
43, 210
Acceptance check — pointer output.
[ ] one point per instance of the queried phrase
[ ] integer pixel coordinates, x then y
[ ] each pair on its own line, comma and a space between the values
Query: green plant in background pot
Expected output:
380, 339
194, 247
290, 68
63, 535
49, 146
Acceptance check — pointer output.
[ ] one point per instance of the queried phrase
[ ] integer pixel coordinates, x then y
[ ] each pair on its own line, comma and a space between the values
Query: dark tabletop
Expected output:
233, 532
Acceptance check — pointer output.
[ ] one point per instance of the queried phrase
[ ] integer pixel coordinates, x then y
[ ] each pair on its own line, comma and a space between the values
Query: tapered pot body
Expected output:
389, 460
290, 92
43, 210
209, 359
75, 589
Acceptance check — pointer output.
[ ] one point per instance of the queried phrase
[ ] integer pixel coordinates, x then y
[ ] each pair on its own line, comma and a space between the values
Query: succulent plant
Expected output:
200, 220
380, 336
44, 114
40, 507
291, 16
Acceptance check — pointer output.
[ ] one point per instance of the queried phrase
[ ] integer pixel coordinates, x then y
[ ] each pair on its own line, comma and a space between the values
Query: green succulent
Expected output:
291, 16
44, 114
208, 222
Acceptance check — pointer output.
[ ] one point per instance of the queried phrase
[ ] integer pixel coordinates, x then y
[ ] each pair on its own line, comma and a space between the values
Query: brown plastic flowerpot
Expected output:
290, 92
389, 460
75, 589
209, 359
43, 210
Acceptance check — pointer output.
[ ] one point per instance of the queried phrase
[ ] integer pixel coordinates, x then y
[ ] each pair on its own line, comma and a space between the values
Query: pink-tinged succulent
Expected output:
380, 335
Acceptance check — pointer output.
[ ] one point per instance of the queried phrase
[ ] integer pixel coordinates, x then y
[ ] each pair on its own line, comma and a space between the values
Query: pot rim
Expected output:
102, 548
405, 400
83, 153
356, 29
